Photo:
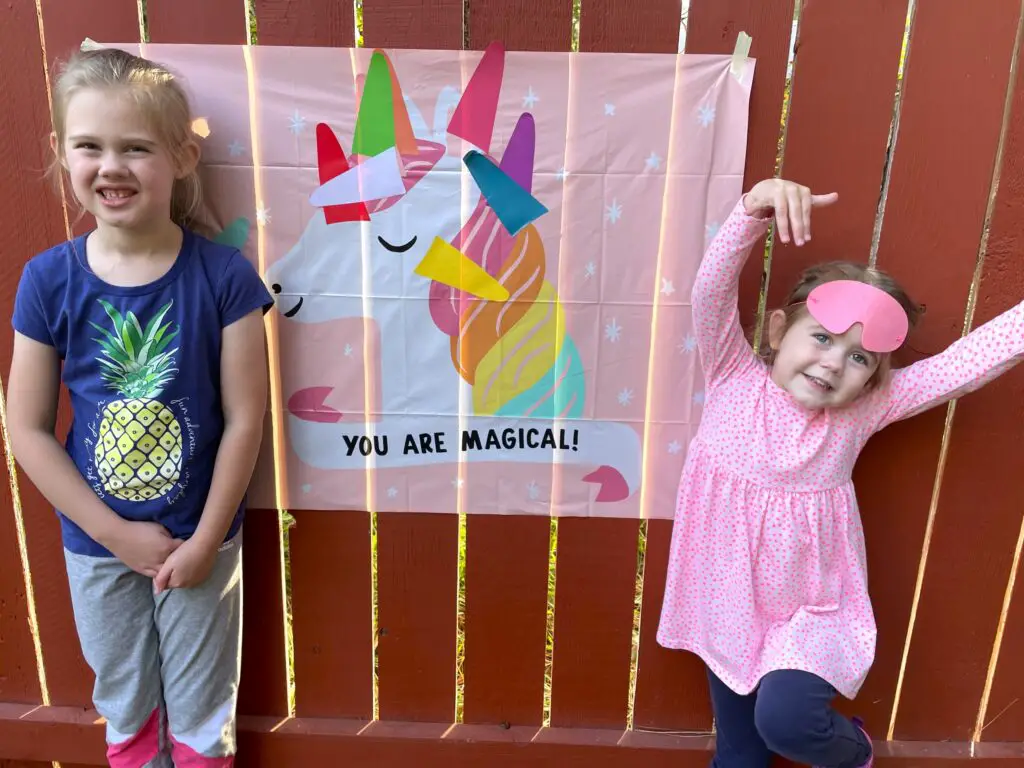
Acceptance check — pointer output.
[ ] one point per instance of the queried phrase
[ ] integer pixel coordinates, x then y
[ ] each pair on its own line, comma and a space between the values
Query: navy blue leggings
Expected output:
789, 714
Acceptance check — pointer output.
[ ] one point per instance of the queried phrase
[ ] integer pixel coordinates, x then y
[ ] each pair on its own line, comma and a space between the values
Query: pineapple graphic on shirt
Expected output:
138, 451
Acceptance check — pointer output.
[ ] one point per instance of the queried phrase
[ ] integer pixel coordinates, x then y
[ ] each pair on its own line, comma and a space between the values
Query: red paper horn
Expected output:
331, 163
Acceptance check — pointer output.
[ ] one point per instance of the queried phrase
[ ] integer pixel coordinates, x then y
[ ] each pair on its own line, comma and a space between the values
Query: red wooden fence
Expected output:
940, 494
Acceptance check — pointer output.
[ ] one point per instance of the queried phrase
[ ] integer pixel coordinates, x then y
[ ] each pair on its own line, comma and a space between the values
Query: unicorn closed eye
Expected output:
505, 348
322, 276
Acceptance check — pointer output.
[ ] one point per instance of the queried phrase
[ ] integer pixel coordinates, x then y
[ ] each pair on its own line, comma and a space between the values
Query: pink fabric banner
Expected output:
482, 264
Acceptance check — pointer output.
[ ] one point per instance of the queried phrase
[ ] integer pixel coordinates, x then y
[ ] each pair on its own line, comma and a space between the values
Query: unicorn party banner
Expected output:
481, 262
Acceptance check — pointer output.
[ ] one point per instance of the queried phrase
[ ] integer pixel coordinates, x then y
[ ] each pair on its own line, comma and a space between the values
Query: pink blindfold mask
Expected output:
839, 304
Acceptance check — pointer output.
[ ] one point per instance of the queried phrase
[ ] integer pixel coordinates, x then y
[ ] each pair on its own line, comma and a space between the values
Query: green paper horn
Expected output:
375, 124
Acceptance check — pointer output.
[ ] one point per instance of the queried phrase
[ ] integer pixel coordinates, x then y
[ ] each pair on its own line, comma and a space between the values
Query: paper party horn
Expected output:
447, 264
513, 205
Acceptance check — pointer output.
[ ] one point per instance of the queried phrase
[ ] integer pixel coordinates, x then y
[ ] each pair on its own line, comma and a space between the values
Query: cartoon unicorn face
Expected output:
358, 259
322, 276
485, 352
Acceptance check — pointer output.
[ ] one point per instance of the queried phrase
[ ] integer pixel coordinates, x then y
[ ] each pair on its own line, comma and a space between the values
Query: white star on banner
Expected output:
613, 212
296, 123
706, 115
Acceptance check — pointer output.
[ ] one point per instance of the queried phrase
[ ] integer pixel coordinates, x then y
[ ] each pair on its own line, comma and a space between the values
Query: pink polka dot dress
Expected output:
767, 566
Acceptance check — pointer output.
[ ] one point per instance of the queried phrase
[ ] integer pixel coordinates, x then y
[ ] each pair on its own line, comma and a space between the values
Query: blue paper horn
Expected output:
513, 205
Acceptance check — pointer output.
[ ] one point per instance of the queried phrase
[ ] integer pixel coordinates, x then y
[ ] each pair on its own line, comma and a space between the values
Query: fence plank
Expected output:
417, 569
111, 21
671, 685
195, 21
306, 22
963, 593
506, 599
671, 688
712, 27
332, 614
962, 51
837, 143
595, 580
412, 23
626, 26
329, 552
994, 415
30, 218
36, 222
68, 24
19, 678
522, 25
269, 744
417, 564
507, 556
594, 593
264, 685
851, 160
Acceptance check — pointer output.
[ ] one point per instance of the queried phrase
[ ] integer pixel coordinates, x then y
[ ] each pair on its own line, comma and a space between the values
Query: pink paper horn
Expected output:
473, 119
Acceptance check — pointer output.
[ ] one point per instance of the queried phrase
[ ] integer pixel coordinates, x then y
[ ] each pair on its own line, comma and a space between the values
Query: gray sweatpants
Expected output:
167, 666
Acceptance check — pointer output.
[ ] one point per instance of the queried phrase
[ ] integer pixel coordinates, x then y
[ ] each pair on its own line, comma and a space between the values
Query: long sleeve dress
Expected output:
767, 566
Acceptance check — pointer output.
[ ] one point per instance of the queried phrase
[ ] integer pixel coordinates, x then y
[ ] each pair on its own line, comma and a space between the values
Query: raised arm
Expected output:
987, 352
723, 348
720, 340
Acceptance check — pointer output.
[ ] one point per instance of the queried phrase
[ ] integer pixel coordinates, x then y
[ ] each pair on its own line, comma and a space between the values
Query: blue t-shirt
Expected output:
142, 364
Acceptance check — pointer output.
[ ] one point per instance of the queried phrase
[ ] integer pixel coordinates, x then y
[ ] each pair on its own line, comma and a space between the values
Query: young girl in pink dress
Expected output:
767, 580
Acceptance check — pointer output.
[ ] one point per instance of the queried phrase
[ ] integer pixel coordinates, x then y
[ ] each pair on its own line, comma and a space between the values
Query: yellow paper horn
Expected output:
446, 264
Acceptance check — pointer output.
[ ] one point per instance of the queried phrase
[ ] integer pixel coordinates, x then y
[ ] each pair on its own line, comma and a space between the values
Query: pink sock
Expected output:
186, 757
138, 749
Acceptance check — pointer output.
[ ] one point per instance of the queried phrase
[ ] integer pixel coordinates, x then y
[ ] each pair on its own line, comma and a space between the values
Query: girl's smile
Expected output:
120, 171
818, 368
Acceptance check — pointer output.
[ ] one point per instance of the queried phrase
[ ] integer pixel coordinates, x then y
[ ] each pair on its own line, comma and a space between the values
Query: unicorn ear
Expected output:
447, 104
419, 125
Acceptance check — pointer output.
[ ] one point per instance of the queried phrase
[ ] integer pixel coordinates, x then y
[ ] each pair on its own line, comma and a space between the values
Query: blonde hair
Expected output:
796, 302
155, 90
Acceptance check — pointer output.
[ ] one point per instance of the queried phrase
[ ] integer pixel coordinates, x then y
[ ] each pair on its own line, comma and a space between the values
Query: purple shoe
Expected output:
871, 758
